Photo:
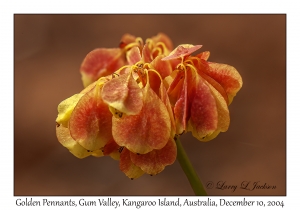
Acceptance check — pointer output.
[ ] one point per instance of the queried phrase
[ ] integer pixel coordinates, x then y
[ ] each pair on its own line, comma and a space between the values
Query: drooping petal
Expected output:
204, 55
90, 123
148, 130
133, 55
65, 109
101, 62
126, 39
223, 114
161, 37
155, 161
112, 149
123, 94
204, 114
128, 167
182, 51
64, 137
228, 77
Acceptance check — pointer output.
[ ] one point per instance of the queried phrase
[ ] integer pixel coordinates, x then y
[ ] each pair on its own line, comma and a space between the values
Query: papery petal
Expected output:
204, 115
65, 109
112, 149
133, 55
204, 55
126, 39
148, 130
123, 94
174, 89
182, 51
101, 62
126, 165
161, 37
228, 77
90, 123
223, 114
64, 137
155, 161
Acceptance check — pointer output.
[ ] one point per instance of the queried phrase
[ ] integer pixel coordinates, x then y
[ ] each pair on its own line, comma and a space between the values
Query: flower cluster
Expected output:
139, 97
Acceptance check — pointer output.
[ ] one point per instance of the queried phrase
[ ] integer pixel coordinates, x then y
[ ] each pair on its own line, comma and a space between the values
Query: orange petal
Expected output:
113, 149
182, 51
123, 94
204, 115
204, 55
148, 130
161, 37
133, 55
64, 137
90, 123
155, 161
227, 76
126, 39
101, 62
126, 165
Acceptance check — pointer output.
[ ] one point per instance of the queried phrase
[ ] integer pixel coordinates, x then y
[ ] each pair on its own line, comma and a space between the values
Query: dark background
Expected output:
48, 51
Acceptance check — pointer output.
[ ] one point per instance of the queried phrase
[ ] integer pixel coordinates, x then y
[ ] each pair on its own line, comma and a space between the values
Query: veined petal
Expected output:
204, 55
228, 77
133, 55
182, 51
64, 137
123, 94
90, 123
161, 37
223, 114
148, 130
204, 114
128, 167
155, 161
101, 62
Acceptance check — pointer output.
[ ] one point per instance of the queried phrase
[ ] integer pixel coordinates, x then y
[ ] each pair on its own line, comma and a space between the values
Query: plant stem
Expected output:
189, 170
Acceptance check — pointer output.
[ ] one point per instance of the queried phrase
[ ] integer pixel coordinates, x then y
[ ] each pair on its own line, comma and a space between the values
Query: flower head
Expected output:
139, 97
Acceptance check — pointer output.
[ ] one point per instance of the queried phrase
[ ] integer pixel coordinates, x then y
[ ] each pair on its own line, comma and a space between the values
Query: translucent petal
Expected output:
148, 130
90, 123
123, 94
182, 51
126, 165
155, 161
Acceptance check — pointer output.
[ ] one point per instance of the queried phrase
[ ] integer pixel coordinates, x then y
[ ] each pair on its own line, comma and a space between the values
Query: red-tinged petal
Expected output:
175, 87
165, 99
204, 114
155, 161
148, 130
133, 55
64, 137
164, 68
161, 37
126, 165
65, 109
101, 62
223, 111
113, 149
204, 55
182, 51
146, 54
123, 94
90, 123
227, 76
126, 39
181, 107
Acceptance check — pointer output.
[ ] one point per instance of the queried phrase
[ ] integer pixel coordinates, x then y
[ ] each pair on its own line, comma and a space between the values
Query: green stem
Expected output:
189, 170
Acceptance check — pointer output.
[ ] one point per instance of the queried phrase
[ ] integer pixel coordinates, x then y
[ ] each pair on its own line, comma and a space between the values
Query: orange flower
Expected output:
139, 97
